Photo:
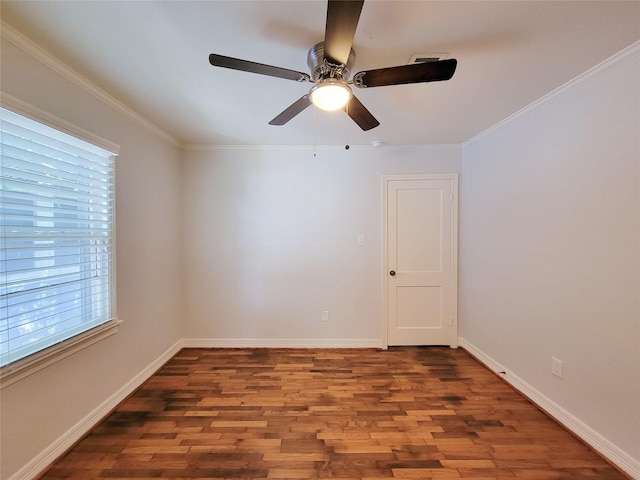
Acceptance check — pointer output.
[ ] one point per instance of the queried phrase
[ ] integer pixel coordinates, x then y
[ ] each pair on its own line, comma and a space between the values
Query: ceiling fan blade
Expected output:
291, 111
414, 73
254, 67
359, 114
342, 21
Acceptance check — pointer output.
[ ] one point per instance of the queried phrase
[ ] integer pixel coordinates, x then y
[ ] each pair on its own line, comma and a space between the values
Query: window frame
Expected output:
23, 367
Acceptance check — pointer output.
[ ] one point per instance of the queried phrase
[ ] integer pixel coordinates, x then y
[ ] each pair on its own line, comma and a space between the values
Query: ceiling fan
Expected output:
330, 63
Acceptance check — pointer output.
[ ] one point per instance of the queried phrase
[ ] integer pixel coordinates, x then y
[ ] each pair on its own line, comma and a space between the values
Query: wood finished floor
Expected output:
356, 414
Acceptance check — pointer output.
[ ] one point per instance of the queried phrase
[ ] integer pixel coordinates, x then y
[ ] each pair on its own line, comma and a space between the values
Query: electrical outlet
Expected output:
325, 315
556, 367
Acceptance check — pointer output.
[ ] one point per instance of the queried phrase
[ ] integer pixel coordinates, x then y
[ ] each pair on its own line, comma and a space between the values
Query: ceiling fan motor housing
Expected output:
322, 69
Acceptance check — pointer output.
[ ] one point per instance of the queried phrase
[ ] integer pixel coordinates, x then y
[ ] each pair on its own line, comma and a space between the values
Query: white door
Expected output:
421, 249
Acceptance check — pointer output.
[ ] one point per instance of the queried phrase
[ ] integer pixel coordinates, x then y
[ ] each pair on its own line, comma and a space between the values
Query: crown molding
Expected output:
207, 148
43, 56
619, 58
48, 59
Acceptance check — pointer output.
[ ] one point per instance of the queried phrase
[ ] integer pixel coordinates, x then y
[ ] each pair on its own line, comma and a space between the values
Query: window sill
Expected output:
20, 369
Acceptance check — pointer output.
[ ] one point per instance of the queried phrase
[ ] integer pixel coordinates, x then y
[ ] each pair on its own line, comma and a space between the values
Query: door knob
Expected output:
392, 273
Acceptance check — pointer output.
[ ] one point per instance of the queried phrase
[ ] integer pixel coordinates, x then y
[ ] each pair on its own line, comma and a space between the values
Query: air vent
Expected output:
426, 57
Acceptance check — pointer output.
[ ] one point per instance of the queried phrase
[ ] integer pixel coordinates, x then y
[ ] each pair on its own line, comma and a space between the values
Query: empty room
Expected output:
320, 239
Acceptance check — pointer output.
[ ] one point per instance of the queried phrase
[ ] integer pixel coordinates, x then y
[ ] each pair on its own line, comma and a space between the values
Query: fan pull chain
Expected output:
346, 126
315, 130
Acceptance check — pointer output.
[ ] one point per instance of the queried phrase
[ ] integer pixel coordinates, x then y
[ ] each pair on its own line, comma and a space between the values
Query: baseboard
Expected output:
615, 455
36, 466
54, 451
282, 343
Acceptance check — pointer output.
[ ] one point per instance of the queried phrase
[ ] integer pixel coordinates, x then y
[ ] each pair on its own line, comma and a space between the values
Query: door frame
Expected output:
453, 178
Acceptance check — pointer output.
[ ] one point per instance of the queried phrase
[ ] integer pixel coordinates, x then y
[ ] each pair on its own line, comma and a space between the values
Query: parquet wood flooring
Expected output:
348, 414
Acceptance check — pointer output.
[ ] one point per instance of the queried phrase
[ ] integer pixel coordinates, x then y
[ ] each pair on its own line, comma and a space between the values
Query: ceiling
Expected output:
153, 57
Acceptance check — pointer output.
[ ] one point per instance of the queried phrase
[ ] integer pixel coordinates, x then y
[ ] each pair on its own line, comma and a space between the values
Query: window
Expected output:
56, 240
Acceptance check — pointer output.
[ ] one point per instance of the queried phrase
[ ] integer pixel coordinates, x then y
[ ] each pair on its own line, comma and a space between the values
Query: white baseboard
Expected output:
281, 343
37, 465
615, 455
50, 454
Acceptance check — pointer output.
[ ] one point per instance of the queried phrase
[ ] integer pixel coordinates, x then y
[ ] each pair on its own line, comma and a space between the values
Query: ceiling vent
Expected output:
426, 57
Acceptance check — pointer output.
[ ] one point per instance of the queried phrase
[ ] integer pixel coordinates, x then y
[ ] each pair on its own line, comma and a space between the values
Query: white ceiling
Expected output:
153, 57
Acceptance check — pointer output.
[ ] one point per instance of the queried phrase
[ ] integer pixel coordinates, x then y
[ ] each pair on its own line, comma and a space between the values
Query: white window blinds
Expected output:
56, 244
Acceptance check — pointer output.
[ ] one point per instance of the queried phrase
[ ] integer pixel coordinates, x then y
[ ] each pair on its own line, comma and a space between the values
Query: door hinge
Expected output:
451, 198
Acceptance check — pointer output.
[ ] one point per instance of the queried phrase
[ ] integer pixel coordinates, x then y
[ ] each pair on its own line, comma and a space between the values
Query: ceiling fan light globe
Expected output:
330, 95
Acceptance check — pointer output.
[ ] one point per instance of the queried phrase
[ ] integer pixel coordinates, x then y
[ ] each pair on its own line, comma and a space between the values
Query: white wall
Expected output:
40, 409
271, 241
550, 250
